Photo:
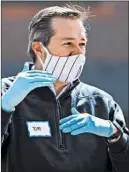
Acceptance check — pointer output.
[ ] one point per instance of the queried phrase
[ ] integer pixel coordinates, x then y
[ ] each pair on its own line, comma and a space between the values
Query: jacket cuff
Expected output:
4, 112
5, 119
5, 116
120, 145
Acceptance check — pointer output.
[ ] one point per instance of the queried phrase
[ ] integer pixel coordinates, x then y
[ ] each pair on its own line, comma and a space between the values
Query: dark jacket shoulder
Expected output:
84, 90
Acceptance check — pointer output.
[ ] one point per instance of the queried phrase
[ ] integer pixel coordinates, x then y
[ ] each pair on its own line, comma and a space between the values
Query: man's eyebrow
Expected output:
71, 38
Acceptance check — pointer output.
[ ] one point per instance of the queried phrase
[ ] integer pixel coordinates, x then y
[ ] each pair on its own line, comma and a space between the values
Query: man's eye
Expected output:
82, 44
68, 43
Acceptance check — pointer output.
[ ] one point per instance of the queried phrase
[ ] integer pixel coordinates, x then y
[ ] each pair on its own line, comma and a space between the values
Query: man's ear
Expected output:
38, 50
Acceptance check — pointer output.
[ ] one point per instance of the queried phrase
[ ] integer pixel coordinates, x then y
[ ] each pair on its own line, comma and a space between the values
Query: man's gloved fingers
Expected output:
68, 129
73, 119
79, 124
79, 131
41, 79
39, 84
39, 71
39, 74
73, 127
63, 120
74, 111
26, 66
70, 123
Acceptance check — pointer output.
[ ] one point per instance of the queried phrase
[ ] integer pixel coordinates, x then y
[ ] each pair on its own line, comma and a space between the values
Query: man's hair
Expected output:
40, 27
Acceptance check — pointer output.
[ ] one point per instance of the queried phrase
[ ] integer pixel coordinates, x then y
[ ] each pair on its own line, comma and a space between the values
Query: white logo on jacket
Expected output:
38, 128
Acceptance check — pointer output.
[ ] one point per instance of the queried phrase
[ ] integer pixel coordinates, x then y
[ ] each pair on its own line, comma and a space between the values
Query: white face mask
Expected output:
66, 69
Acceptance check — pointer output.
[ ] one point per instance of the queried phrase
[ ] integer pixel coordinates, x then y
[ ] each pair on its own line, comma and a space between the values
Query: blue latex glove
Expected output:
25, 81
85, 123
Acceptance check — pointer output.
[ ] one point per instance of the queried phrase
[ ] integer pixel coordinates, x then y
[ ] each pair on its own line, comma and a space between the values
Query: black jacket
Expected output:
62, 152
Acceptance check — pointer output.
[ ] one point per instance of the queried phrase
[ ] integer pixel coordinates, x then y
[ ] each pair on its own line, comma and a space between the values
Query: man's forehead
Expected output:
63, 23
69, 29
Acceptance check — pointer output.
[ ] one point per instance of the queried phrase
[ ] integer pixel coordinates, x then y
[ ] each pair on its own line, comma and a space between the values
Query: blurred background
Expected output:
107, 50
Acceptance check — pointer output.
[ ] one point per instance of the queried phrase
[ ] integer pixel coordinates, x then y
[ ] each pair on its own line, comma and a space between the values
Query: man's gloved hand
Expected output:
85, 123
25, 81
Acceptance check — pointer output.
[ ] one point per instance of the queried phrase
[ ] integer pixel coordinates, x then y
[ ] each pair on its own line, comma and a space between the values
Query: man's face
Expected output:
69, 37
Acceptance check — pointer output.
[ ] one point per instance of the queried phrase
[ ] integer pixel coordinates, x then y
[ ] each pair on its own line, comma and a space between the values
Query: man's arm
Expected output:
118, 145
119, 149
5, 116
5, 121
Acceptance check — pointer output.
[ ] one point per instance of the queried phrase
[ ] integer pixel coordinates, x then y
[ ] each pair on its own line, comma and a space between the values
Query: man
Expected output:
51, 121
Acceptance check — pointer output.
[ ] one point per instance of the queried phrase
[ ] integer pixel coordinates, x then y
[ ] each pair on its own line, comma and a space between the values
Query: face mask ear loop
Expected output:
41, 62
45, 50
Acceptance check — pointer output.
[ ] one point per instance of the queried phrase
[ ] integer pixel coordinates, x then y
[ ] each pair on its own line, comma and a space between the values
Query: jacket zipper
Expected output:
61, 144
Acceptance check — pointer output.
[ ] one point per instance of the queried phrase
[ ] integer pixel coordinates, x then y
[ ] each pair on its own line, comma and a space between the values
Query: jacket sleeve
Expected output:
119, 150
5, 119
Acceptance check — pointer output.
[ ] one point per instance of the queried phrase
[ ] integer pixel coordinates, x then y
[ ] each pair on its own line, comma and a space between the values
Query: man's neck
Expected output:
58, 85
